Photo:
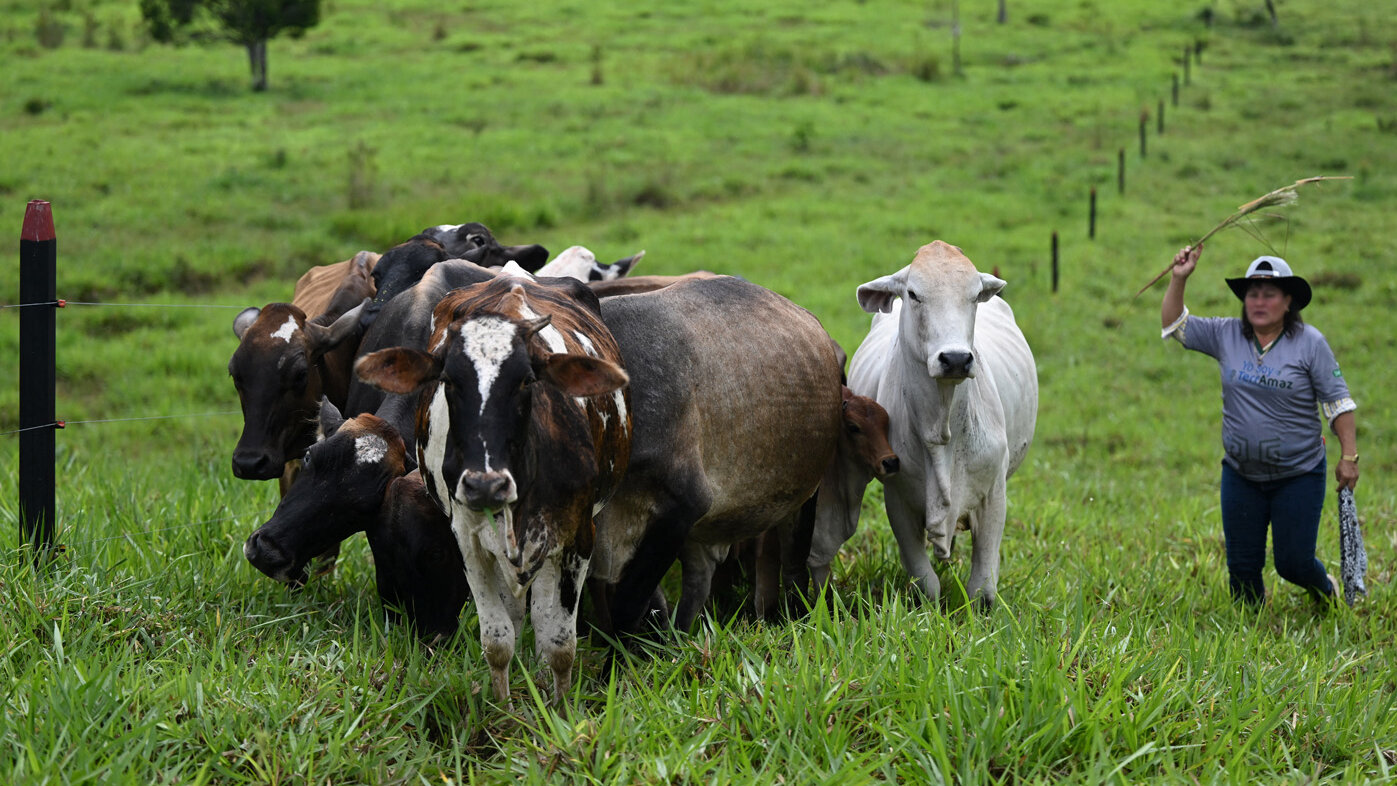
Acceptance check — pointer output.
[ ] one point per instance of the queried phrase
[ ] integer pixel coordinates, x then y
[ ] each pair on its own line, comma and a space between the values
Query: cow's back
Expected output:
736, 397
317, 287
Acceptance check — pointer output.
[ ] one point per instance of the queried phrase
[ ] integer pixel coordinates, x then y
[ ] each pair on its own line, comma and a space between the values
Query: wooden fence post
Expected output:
1144, 122
1120, 170
1055, 260
38, 297
1091, 220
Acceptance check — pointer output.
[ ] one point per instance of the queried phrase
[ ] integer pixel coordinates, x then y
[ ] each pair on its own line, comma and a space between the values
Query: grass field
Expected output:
808, 149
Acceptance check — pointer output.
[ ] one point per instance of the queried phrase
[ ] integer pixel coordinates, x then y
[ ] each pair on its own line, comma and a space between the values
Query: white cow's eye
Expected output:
913, 296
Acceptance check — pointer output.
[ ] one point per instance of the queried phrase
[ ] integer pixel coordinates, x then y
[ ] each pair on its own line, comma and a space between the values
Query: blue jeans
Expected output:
1291, 508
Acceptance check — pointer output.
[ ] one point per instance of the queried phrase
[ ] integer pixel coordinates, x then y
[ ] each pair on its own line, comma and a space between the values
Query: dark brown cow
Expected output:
523, 434
284, 363
736, 402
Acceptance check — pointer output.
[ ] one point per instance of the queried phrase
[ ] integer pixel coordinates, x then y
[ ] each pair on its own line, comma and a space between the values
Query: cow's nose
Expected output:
486, 489
956, 362
891, 465
263, 552
255, 465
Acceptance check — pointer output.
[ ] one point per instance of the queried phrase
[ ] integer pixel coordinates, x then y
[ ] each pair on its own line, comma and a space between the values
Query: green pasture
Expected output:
808, 148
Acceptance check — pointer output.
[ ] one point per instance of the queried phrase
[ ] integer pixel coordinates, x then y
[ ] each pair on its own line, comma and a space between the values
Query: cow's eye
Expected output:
853, 429
305, 460
913, 296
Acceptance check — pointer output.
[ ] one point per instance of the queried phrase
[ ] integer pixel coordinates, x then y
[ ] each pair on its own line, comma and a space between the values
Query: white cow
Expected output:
947, 361
580, 263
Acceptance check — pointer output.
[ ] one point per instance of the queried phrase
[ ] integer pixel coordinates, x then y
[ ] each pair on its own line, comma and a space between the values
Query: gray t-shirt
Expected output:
1270, 402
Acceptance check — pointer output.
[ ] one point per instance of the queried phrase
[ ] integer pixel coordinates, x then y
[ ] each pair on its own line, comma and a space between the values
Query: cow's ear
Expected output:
878, 294
398, 370
989, 287
622, 267
530, 257
244, 320
323, 339
330, 418
582, 375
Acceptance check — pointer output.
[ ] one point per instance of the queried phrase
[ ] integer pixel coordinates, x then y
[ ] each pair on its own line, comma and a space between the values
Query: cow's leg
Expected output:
986, 533
767, 572
658, 549
698, 561
498, 612
556, 592
909, 529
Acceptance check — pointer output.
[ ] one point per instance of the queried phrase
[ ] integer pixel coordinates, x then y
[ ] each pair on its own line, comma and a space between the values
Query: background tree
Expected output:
248, 23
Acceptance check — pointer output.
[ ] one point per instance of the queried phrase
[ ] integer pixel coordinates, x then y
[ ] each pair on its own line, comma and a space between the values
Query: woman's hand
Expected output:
1186, 260
1346, 473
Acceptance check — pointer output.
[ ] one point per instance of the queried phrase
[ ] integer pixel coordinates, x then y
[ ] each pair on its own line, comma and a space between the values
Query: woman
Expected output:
1277, 372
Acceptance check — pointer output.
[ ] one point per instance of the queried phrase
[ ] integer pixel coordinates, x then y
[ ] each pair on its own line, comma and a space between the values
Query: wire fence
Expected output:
63, 424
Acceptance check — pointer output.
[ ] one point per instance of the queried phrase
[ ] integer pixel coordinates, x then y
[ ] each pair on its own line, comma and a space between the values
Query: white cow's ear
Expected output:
244, 320
989, 287
878, 294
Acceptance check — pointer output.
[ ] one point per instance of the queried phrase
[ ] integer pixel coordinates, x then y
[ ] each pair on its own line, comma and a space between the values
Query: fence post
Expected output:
1054, 260
1091, 215
38, 264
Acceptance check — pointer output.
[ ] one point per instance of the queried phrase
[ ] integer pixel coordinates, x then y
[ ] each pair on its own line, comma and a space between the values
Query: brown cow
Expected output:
320, 286
287, 358
523, 434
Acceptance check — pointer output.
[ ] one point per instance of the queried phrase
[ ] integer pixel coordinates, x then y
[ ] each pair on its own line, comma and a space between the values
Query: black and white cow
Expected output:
524, 433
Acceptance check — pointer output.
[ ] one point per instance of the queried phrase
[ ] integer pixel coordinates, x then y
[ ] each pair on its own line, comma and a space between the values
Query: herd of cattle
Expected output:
518, 432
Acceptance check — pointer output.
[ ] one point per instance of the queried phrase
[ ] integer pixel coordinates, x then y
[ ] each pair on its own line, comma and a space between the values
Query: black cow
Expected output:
404, 265
352, 481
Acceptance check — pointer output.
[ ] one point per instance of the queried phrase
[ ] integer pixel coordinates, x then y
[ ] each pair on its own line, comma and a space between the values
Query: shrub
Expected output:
48, 31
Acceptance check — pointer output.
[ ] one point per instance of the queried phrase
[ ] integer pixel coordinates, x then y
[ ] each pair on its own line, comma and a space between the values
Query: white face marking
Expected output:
286, 331
487, 342
369, 449
434, 447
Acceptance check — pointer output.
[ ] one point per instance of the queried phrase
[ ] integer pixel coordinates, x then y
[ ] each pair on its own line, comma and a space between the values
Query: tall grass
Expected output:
809, 149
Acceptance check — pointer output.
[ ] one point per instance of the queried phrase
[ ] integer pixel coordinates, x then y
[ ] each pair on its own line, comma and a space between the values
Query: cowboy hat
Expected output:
1273, 270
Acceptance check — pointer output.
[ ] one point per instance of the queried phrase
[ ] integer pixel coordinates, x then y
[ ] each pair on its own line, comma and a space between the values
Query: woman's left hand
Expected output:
1346, 473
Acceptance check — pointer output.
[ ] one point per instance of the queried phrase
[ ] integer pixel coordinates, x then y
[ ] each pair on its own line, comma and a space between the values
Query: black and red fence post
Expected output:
38, 294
